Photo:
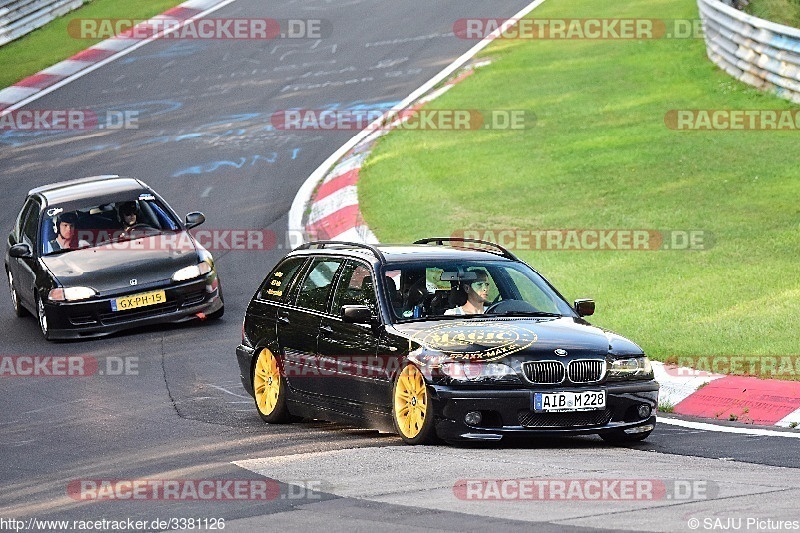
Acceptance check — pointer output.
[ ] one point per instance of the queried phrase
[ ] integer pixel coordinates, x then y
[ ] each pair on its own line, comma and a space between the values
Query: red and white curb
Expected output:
49, 79
333, 211
744, 399
334, 214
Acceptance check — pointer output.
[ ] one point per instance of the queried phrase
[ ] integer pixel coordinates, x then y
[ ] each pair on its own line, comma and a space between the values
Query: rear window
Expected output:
278, 281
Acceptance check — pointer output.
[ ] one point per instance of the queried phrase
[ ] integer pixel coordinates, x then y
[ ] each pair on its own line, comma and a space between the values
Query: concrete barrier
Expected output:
758, 52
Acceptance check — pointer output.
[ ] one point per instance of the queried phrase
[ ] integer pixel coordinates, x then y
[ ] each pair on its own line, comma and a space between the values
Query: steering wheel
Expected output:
141, 225
510, 306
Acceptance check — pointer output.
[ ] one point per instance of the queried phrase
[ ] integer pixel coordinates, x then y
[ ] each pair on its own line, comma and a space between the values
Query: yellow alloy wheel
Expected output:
411, 403
267, 383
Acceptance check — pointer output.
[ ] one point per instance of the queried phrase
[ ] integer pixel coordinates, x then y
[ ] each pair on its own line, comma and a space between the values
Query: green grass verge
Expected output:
785, 12
51, 43
600, 156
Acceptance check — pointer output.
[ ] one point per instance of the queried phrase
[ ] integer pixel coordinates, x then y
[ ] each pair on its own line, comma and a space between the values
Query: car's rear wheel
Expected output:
18, 309
411, 407
270, 389
42, 317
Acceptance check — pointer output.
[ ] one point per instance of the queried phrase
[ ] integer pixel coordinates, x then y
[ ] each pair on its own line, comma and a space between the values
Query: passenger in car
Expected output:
477, 295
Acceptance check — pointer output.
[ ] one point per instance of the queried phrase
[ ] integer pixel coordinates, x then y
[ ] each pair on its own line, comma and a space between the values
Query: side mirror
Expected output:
195, 218
20, 250
356, 314
584, 306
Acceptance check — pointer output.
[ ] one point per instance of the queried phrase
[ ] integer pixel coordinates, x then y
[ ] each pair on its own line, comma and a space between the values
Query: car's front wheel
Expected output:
18, 309
42, 317
270, 389
411, 407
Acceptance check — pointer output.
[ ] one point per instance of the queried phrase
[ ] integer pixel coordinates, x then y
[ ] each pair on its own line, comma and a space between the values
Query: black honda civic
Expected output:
97, 255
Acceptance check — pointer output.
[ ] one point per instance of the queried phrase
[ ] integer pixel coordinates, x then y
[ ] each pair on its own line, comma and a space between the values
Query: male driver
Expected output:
67, 236
477, 295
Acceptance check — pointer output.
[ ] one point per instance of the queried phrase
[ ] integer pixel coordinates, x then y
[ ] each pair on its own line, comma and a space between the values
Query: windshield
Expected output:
459, 289
67, 228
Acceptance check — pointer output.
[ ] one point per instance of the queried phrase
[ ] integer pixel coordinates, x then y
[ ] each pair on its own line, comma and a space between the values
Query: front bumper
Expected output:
95, 317
508, 412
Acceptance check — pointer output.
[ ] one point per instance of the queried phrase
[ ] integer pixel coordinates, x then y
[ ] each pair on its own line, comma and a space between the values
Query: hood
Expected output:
480, 339
111, 267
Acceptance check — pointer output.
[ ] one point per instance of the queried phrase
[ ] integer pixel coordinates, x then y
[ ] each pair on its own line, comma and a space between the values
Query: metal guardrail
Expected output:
18, 17
758, 52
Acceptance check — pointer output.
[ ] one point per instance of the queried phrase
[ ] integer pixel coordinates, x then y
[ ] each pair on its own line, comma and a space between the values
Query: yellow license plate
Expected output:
138, 300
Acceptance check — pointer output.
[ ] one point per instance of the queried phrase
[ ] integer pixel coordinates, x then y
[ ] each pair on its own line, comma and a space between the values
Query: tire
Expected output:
412, 412
269, 389
620, 437
15, 304
42, 318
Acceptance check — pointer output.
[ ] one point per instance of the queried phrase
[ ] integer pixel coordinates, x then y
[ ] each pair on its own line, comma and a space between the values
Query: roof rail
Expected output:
322, 244
439, 241
67, 183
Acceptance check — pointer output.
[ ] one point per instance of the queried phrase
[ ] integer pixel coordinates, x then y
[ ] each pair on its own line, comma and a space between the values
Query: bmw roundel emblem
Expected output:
561, 352
133, 281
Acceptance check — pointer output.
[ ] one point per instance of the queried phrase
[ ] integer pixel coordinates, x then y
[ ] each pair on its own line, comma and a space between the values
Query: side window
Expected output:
30, 225
356, 287
277, 283
317, 284
23, 214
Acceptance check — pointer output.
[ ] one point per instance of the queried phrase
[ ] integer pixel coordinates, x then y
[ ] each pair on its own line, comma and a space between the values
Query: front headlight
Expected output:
477, 371
71, 294
630, 368
192, 271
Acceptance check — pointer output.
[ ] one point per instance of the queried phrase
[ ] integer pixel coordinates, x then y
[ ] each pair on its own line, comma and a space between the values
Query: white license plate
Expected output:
544, 402
138, 300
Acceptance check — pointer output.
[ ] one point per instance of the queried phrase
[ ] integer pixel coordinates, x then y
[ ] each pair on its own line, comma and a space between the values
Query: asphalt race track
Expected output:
178, 411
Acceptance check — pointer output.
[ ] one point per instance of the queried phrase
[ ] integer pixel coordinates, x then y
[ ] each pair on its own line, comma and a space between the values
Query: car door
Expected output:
24, 269
299, 322
348, 353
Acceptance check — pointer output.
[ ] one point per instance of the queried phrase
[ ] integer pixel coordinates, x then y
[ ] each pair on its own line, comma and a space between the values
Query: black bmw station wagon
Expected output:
451, 339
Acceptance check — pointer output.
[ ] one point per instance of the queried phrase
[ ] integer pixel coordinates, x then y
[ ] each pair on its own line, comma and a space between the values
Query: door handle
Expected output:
326, 329
284, 318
